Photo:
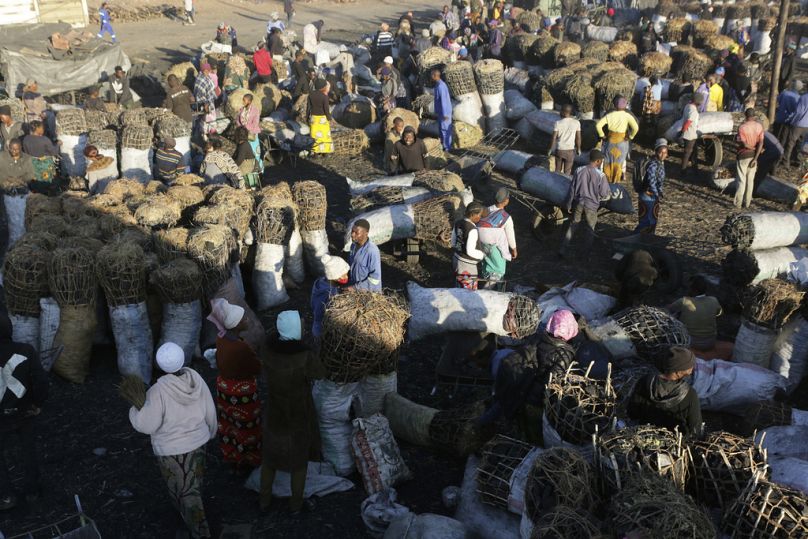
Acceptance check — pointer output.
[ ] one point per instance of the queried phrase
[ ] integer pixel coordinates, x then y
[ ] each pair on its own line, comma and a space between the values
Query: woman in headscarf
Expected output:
244, 156
320, 117
653, 178
409, 152
616, 145
42, 150
291, 433
218, 167
336, 277
249, 117
237, 398
180, 417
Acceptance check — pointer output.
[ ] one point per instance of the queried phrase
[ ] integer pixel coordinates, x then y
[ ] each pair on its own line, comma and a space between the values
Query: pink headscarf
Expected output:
562, 325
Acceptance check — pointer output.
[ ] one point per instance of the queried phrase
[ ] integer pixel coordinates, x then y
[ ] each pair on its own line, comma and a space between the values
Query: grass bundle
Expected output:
212, 247
186, 72
584, 64
160, 211
37, 204
694, 65
579, 92
717, 43
134, 234
189, 198
597, 50
655, 63
541, 51
98, 205
459, 77
349, 142
277, 193
557, 79
154, 187
703, 28
122, 273
188, 179
759, 415
135, 201
177, 281
55, 224
771, 302
275, 222
677, 29
106, 139
312, 203
133, 390
171, 243
75, 204
25, 278
137, 137
517, 47
71, 122
566, 53
434, 218
227, 214
361, 331
86, 226
115, 220
230, 195
440, 181
565, 523
611, 84
578, 406
71, 276
44, 240
489, 74
624, 52
465, 135
80, 242
123, 189
559, 477
500, 458
766, 509
433, 57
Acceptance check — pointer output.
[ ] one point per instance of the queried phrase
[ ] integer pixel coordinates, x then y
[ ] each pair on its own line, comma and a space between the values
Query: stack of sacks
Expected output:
491, 83
312, 203
466, 106
71, 130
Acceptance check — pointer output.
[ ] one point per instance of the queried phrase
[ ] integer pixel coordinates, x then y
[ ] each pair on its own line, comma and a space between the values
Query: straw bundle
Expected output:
135, 201
584, 64
459, 77
115, 220
185, 71
717, 42
652, 506
227, 214
579, 91
541, 50
490, 77
655, 63
563, 523
43, 240
694, 65
559, 477
134, 234
565, 53
435, 217
98, 120
361, 331
601, 69
702, 29
189, 179
517, 47
230, 195
100, 204
104, 138
178, 281
71, 276
378, 198
721, 466
74, 203
530, 21
71, 122
275, 222
767, 510
311, 200
38, 204
500, 458
25, 279
159, 211
134, 118
612, 84
597, 50
171, 243
349, 142
16, 106
277, 193
172, 126
212, 247
187, 196
465, 135
456, 431
133, 390
556, 80
409, 117
771, 302
137, 137
433, 57
122, 273
624, 52
153, 187
440, 181
55, 224
235, 100
92, 245
677, 29
86, 226
578, 406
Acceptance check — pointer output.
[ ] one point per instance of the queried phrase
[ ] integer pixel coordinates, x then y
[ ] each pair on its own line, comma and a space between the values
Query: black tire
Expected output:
670, 271
546, 220
412, 253
713, 153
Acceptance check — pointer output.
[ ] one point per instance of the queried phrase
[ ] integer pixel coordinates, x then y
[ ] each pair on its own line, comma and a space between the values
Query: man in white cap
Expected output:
324, 288
402, 96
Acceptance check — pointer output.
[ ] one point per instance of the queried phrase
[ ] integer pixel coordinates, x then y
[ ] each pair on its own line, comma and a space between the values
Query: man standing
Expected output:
289, 9
106, 22
383, 44
189, 12
119, 91
650, 194
443, 110
750, 145
797, 127
449, 19
786, 106
587, 189
205, 95
616, 145
9, 129
393, 136
497, 239
787, 66
423, 42
23, 391
364, 259
300, 71
179, 99
716, 100
566, 140
15, 164
467, 248
690, 133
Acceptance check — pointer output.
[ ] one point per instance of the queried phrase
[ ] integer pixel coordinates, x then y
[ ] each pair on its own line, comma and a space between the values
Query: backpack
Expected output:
638, 176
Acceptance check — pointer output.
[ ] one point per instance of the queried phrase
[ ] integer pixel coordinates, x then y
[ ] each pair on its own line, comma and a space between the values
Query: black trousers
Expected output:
20, 440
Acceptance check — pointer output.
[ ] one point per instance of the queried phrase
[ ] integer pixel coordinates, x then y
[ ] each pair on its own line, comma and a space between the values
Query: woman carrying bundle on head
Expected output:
291, 432
237, 398
180, 417
324, 288
320, 120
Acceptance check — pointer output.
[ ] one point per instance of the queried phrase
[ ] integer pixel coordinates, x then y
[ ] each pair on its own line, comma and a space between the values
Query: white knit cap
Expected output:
289, 326
335, 267
170, 358
274, 15
388, 60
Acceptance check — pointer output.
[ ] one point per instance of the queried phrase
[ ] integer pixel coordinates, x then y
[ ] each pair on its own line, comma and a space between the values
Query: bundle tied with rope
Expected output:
762, 414
565, 522
312, 202
560, 476
440, 181
597, 50
434, 218
134, 118
294, 266
609, 85
541, 50
106, 139
73, 284
172, 126
228, 214
767, 509
160, 211
98, 120
179, 285
556, 80
189, 198
721, 465
457, 432
676, 29
655, 64
644, 448
641, 331
124, 189
121, 271
171, 243
189, 179
378, 198
71, 122
362, 333
230, 195
409, 117
566, 53
115, 220
652, 506
703, 28
38, 204
137, 137
579, 92
577, 407
765, 230
465, 135
212, 247
86, 226
489, 74
717, 42
517, 47
689, 63
459, 77
530, 21
772, 302
624, 52
349, 142
25, 281
502, 472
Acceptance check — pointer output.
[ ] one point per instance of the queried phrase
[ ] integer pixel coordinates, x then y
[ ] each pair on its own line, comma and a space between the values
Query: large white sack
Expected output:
517, 106
785, 441
789, 471
268, 276
516, 78
133, 339
774, 262
390, 223
518, 481
494, 109
25, 329
320, 481
183, 145
468, 108
484, 521
332, 49
136, 164
15, 217
98, 179
71, 152
778, 229
48, 323
237, 279
293, 256
643, 82
725, 386
607, 34
709, 122
333, 404
441, 310
754, 344
426, 526
372, 389
315, 246
583, 301
182, 324
614, 338
360, 188
791, 352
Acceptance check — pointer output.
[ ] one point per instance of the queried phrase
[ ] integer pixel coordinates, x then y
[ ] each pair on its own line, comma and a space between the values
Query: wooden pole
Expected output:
778, 58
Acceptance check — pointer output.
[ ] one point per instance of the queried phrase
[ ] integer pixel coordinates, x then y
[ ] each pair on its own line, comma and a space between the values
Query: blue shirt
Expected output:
800, 116
786, 105
443, 101
656, 91
366, 267
655, 177
321, 294
103, 15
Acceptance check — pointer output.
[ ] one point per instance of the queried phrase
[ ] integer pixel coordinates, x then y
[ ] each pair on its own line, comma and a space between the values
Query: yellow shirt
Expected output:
716, 101
619, 121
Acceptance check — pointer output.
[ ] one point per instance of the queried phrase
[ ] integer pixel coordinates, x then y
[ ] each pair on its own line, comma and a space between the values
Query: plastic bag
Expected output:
48, 323
15, 217
379, 510
25, 329
320, 481
377, 455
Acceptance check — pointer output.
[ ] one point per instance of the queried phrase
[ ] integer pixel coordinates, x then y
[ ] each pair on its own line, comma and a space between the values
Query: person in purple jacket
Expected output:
587, 189
443, 109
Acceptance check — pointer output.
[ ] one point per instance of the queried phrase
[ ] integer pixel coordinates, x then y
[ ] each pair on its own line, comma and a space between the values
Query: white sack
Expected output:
778, 229
482, 520
182, 324
332, 49
607, 34
494, 109
320, 481
133, 339
372, 389
293, 256
789, 471
98, 179
183, 145
518, 480
643, 82
48, 323
376, 454
379, 510
71, 152
784, 441
267, 276
725, 386
709, 122
441, 310
614, 338
315, 245
25, 329
791, 352
583, 301
517, 106
390, 223
468, 108
136, 164
360, 188
512, 161
426, 526
15, 217
516, 78
333, 403
774, 262
553, 187
753, 344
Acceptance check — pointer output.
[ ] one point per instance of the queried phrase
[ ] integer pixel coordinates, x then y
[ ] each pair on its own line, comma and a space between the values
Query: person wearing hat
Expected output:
650, 193
588, 188
364, 260
566, 140
205, 97
423, 42
237, 400
291, 431
105, 19
119, 91
180, 417
179, 99
690, 132
497, 239
409, 153
786, 106
226, 35
9, 129
466, 247
616, 145
324, 288
16, 164
34, 104
168, 161
401, 93
666, 399
320, 120
443, 110
750, 146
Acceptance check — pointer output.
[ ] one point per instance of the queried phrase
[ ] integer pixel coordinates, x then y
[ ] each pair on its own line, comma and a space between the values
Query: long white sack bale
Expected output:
360, 188
136, 164
333, 403
777, 229
517, 106
512, 161
754, 344
774, 262
785, 441
71, 151
642, 82
293, 255
725, 386
15, 217
133, 339
182, 325
789, 471
315, 246
553, 187
98, 179
396, 222
607, 34
709, 123
790, 357
268, 276
25, 329
543, 120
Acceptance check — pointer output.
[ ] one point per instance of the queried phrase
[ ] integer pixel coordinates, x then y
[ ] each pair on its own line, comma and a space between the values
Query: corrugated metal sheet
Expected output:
73, 12
17, 12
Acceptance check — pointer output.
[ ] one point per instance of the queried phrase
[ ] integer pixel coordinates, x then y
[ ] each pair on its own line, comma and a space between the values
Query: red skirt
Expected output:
239, 411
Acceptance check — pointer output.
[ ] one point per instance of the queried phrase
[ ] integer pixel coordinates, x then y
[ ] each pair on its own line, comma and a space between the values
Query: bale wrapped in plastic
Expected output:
765, 230
576, 407
468, 109
553, 187
179, 284
357, 188
408, 420
606, 34
766, 509
743, 267
640, 331
441, 310
361, 332
516, 78
558, 477
503, 471
721, 465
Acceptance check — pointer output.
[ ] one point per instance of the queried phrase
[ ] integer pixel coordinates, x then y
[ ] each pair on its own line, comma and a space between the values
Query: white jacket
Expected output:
179, 414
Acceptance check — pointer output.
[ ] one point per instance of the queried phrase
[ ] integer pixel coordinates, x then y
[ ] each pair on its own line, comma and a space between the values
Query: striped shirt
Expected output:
169, 164
204, 90
384, 39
